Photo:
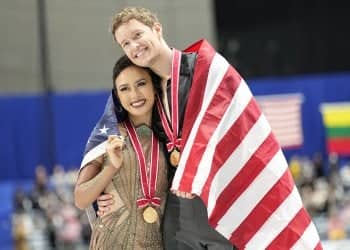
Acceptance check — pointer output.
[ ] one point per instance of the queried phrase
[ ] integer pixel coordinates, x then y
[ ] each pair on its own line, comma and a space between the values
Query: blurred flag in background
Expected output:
336, 119
284, 115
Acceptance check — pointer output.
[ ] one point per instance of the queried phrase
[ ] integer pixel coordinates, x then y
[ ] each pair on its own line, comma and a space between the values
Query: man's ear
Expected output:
158, 28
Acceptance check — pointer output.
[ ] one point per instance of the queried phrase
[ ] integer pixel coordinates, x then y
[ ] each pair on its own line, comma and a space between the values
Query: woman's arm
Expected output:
92, 180
91, 183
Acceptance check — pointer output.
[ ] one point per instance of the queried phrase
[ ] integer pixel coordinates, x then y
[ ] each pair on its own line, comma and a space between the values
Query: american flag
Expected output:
232, 160
283, 112
96, 144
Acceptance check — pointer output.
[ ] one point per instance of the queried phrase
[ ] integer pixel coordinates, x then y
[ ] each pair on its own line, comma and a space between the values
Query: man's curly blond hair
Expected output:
140, 14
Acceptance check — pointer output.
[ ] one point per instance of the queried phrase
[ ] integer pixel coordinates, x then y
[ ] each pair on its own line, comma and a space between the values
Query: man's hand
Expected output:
183, 194
104, 202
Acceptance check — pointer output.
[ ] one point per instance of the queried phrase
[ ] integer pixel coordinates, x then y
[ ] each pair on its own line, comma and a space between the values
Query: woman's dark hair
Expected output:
121, 64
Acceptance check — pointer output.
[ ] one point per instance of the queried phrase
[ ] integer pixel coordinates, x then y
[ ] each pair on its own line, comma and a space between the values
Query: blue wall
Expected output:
27, 141
40, 130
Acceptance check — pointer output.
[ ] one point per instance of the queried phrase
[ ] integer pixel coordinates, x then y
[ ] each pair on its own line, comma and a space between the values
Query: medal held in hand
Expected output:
148, 181
172, 132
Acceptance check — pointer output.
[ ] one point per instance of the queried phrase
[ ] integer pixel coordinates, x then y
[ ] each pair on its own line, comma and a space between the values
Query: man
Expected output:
231, 168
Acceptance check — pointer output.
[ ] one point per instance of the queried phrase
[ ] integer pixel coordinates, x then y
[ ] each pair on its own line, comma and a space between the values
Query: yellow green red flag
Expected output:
336, 119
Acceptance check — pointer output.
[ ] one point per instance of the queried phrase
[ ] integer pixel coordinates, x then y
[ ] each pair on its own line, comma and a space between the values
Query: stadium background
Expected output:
57, 55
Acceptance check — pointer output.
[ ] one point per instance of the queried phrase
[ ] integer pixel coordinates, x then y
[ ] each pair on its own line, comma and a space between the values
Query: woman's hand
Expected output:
114, 150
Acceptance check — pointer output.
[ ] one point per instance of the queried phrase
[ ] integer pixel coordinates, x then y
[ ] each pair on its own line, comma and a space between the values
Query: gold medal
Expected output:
150, 215
174, 157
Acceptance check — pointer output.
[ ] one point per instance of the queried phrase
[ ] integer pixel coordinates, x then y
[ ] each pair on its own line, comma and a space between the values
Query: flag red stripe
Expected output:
200, 44
339, 145
319, 246
230, 141
292, 146
213, 115
195, 97
264, 209
292, 232
242, 181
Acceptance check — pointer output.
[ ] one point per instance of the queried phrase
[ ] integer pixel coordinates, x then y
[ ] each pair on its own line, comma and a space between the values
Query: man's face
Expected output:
139, 42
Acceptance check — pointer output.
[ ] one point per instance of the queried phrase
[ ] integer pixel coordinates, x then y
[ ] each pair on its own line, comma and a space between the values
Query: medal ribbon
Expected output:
172, 133
148, 181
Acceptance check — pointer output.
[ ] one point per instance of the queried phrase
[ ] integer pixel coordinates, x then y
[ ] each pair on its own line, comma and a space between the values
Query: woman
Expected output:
133, 169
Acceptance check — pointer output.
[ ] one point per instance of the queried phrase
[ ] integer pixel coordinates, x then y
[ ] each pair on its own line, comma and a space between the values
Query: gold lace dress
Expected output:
124, 227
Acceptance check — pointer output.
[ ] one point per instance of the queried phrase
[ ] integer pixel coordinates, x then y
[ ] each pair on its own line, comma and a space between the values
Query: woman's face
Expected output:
136, 94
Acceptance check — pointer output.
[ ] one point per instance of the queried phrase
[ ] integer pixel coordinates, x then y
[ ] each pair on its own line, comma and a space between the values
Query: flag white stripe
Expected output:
289, 138
91, 214
285, 103
88, 157
217, 70
287, 135
283, 118
291, 143
238, 103
279, 97
308, 240
248, 200
281, 109
253, 139
284, 136
287, 131
276, 222
293, 128
94, 153
282, 105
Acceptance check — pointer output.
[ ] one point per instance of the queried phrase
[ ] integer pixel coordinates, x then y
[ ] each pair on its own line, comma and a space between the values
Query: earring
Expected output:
119, 108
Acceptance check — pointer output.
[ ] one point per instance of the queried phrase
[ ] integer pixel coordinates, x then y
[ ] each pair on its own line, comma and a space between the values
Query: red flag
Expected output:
231, 159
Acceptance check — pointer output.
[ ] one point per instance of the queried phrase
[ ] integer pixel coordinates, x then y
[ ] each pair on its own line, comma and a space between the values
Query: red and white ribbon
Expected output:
148, 181
173, 131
